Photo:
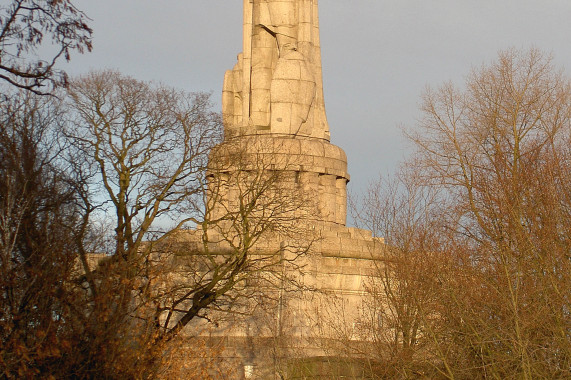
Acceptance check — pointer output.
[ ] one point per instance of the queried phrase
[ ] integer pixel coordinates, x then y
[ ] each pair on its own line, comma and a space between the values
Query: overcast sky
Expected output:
377, 55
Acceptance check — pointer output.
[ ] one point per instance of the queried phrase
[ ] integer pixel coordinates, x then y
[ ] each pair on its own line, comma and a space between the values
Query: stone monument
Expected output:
274, 115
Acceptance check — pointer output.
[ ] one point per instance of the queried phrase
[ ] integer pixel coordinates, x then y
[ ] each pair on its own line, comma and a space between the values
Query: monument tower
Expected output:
274, 115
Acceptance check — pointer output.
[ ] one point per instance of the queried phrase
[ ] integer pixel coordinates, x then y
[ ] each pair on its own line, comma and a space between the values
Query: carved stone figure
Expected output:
276, 85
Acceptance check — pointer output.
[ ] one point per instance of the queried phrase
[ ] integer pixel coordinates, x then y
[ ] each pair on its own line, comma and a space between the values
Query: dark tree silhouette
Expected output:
26, 26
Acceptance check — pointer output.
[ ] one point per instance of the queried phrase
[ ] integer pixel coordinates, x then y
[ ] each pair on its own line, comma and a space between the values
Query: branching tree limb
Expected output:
26, 26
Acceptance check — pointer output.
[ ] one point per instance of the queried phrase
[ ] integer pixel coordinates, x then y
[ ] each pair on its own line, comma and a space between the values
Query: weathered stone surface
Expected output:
276, 85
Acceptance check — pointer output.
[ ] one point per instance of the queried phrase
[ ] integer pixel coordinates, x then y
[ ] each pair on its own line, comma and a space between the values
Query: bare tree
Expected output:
26, 26
41, 216
476, 227
240, 264
149, 145
401, 301
499, 150
192, 233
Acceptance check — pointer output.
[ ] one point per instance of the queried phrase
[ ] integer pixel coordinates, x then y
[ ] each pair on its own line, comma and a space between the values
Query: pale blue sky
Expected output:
378, 55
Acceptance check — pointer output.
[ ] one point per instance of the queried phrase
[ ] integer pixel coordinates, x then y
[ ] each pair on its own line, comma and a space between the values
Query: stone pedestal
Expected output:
313, 167
303, 316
